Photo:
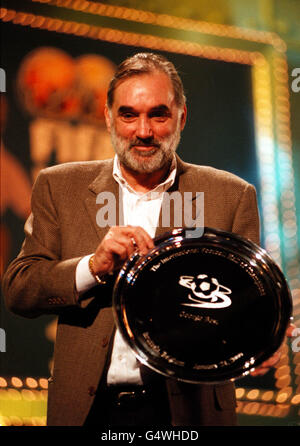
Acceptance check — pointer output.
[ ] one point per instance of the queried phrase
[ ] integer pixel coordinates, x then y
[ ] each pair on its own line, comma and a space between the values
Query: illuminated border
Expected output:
273, 141
169, 21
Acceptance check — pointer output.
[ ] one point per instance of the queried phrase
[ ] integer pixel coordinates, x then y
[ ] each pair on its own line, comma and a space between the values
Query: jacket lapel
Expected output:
187, 209
104, 200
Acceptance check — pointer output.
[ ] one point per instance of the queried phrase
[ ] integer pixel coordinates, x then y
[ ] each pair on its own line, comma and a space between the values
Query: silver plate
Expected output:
204, 309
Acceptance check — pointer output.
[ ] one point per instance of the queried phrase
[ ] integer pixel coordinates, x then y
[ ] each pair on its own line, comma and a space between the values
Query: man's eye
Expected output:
128, 116
159, 116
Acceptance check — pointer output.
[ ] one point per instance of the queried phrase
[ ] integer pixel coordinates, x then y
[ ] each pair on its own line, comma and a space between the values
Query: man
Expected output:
66, 259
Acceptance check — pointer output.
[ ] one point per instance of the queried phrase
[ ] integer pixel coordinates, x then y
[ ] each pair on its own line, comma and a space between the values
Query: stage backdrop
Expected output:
55, 114
57, 72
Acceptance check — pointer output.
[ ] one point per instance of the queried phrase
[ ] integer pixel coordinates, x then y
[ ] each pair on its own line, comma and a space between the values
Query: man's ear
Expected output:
183, 117
107, 117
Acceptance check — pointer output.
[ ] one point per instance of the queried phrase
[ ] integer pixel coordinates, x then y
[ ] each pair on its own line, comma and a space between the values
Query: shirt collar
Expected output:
165, 185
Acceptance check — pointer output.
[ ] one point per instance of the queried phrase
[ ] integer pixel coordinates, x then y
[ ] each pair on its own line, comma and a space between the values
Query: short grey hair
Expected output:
147, 63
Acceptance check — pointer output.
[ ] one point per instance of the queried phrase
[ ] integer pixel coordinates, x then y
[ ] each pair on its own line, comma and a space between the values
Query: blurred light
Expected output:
31, 382
271, 410
239, 392
44, 395
251, 408
176, 22
16, 421
28, 395
113, 35
16, 382
4, 421
283, 381
282, 370
296, 399
263, 409
43, 383
284, 349
14, 394
38, 421
267, 395
3, 12
27, 421
7, 15
283, 395
296, 358
281, 410
284, 360
3, 382
253, 394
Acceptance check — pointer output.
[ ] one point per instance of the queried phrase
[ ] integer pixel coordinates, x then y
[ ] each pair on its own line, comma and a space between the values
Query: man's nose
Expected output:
144, 129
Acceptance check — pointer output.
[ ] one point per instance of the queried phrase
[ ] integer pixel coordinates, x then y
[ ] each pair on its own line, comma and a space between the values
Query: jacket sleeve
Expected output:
246, 219
38, 281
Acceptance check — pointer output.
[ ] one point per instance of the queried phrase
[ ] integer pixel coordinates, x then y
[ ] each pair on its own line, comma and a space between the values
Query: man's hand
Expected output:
118, 245
274, 359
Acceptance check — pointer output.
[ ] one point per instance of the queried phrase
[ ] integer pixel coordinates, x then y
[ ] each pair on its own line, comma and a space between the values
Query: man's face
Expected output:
145, 123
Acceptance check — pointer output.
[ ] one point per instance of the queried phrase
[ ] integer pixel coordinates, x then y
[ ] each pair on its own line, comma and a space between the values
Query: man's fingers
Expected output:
266, 365
260, 371
274, 359
119, 244
290, 329
132, 238
141, 243
271, 362
141, 238
120, 247
108, 256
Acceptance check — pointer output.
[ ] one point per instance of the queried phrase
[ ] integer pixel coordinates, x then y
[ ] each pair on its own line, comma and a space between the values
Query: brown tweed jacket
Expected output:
60, 231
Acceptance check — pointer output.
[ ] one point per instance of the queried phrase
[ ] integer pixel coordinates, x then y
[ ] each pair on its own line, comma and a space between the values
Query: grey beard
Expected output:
161, 156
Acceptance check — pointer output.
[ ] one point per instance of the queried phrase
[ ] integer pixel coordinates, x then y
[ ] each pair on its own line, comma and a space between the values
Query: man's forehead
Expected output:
156, 86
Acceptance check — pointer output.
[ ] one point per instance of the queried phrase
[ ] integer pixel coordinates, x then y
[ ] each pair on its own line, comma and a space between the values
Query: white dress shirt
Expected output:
139, 209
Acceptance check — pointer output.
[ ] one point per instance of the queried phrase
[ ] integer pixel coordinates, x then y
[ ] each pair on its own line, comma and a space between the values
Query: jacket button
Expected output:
104, 341
91, 391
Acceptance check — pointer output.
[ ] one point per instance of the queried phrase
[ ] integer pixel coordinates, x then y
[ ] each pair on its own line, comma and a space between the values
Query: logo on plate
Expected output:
207, 292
